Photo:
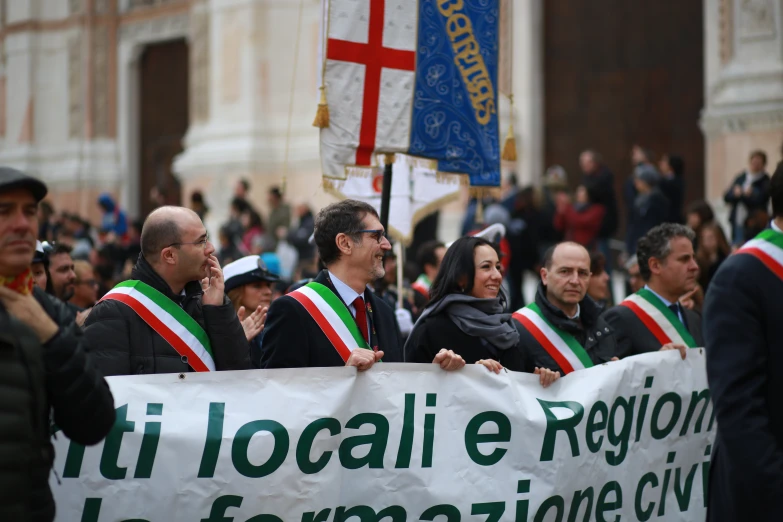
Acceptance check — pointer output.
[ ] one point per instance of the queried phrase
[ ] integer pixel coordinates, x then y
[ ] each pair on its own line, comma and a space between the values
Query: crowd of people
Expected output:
158, 296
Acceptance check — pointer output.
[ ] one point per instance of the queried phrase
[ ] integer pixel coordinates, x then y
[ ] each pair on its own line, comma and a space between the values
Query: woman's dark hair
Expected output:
197, 197
776, 193
597, 263
458, 269
593, 193
703, 209
239, 205
677, 164
255, 219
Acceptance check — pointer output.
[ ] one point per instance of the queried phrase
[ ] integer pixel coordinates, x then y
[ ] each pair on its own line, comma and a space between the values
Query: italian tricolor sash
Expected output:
562, 346
767, 247
658, 319
168, 320
332, 316
422, 285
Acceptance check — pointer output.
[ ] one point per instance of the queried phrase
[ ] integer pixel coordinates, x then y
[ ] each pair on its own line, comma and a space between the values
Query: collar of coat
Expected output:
589, 311
144, 272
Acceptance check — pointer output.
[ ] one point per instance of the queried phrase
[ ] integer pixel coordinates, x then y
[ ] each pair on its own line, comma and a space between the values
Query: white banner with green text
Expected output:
627, 440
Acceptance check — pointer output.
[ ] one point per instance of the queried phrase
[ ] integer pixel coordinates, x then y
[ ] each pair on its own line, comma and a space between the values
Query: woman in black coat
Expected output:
467, 313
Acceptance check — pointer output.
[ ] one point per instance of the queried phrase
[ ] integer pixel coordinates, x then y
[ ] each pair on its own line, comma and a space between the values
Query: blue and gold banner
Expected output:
455, 104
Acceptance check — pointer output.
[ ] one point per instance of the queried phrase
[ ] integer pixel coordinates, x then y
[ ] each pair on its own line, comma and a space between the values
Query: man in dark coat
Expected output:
178, 261
650, 207
653, 319
43, 368
744, 346
599, 180
562, 305
351, 243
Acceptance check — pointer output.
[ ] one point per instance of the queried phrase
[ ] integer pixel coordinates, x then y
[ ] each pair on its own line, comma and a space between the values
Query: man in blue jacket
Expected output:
744, 346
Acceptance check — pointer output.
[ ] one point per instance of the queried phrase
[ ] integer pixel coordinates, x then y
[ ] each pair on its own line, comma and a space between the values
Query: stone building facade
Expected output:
123, 95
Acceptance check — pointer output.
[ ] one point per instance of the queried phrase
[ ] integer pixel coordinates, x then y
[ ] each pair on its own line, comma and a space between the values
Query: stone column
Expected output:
743, 87
243, 56
528, 87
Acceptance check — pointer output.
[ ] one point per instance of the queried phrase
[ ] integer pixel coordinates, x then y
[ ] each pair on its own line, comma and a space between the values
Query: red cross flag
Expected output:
369, 78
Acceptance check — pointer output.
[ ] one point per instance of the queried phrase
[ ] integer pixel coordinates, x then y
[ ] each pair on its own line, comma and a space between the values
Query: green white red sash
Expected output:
658, 318
168, 320
561, 346
332, 316
422, 285
767, 247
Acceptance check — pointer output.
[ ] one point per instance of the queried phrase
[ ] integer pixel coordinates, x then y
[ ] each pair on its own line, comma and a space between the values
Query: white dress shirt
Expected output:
348, 295
667, 303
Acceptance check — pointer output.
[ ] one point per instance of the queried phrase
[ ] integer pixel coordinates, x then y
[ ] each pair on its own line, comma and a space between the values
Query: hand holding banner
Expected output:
405, 441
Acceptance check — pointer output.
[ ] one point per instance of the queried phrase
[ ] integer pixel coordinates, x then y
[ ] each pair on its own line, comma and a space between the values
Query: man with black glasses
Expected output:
336, 320
172, 315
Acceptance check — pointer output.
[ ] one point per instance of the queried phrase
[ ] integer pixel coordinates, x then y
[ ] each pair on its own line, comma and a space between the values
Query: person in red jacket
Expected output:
580, 221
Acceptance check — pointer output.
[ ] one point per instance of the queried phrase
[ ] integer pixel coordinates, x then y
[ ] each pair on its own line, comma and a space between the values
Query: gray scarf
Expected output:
482, 318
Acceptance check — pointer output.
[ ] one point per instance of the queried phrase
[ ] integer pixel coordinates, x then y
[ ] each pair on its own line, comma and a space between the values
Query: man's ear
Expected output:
344, 244
168, 256
544, 275
655, 265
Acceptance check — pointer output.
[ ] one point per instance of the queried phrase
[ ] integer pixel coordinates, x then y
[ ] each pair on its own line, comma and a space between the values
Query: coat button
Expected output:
606, 330
590, 339
184, 359
598, 334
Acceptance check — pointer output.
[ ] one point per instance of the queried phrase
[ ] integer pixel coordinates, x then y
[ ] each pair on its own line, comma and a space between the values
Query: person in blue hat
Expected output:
249, 285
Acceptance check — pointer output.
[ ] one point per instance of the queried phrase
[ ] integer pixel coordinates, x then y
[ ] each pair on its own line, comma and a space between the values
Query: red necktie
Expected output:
361, 317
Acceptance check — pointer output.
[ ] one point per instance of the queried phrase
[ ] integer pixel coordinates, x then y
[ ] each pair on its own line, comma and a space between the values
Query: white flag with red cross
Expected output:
369, 78
417, 77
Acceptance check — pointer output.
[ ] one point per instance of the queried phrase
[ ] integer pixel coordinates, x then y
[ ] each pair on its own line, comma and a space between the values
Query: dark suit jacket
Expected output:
633, 338
292, 339
745, 372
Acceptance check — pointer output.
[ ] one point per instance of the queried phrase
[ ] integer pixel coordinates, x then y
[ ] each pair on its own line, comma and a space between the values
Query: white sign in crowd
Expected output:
628, 440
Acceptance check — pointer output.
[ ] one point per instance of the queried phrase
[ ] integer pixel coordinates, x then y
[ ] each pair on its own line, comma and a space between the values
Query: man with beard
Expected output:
336, 320
44, 372
176, 286
62, 277
652, 319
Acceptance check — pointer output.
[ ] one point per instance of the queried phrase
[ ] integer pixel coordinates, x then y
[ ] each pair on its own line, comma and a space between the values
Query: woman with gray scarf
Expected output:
467, 314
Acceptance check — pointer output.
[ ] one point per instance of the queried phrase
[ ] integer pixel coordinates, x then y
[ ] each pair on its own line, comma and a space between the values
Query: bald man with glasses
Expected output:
172, 315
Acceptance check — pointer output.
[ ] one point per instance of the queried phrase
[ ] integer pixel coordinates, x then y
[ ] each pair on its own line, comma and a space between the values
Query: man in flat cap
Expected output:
43, 367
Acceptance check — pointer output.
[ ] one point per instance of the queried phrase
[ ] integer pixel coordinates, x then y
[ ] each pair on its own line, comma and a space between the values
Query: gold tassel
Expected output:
322, 114
510, 146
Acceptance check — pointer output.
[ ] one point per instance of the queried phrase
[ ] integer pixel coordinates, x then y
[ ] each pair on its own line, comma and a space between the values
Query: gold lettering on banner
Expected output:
468, 59
448, 7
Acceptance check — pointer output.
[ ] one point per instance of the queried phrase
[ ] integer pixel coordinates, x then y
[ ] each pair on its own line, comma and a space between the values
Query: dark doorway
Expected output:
164, 119
618, 73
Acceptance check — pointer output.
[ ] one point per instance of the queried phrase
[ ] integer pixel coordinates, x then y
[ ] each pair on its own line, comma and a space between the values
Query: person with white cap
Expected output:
248, 284
39, 266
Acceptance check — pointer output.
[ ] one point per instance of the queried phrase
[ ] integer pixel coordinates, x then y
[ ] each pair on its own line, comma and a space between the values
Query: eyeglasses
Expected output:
201, 242
378, 234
